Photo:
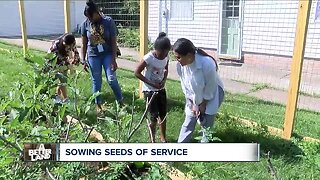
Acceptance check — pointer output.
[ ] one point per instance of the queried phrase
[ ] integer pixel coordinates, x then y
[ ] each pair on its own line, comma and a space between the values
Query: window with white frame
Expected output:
181, 9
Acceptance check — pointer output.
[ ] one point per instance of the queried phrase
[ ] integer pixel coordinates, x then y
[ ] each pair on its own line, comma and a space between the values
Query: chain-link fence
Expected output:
254, 42
126, 16
44, 20
308, 120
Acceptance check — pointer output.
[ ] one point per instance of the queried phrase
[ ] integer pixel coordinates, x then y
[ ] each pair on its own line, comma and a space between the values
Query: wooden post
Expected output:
143, 34
67, 19
296, 67
23, 28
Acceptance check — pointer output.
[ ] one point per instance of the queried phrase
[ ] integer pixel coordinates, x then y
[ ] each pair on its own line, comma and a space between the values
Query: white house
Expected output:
234, 28
42, 17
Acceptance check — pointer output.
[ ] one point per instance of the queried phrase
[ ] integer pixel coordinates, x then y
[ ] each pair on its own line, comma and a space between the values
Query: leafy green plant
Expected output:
31, 116
311, 155
129, 37
208, 135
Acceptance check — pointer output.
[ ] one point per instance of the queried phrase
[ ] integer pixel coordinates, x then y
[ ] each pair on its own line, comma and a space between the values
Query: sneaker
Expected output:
57, 99
99, 110
121, 103
66, 101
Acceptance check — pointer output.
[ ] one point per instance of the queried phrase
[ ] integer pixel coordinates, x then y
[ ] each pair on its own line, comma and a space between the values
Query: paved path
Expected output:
233, 75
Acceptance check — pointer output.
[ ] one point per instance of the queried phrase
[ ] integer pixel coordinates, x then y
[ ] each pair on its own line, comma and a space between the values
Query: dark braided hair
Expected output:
162, 42
90, 9
184, 46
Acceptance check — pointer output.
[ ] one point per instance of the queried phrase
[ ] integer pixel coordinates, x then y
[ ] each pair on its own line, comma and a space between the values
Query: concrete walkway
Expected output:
234, 76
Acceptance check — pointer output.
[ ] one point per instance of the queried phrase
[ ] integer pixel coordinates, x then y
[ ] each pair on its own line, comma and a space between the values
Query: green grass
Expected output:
12, 65
259, 87
129, 58
267, 113
285, 154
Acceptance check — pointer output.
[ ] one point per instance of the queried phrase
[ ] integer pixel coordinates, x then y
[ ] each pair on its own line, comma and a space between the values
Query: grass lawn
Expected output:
285, 154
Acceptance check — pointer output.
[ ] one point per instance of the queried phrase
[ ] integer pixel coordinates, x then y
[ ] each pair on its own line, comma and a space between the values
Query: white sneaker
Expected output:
57, 100
66, 101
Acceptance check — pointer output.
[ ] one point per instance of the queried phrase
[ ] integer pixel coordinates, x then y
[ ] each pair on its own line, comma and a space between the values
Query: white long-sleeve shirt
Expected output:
199, 81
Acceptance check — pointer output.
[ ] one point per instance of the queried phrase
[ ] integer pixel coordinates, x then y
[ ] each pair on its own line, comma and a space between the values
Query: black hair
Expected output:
69, 39
90, 8
184, 46
162, 42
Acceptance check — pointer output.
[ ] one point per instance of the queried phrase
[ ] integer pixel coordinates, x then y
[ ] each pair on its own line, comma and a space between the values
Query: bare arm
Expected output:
166, 72
76, 57
138, 72
84, 48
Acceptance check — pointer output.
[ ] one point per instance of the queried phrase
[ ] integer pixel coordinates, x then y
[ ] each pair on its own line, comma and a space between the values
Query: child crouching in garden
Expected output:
66, 54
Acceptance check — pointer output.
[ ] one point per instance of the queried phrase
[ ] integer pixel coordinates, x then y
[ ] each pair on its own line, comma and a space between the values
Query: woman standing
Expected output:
201, 85
100, 44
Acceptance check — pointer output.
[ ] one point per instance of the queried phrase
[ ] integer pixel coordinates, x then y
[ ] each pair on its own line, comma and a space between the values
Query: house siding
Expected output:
268, 26
313, 36
153, 19
10, 20
42, 17
202, 29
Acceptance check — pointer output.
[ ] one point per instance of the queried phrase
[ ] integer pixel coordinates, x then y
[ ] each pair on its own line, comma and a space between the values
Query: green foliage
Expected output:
129, 37
311, 155
32, 116
259, 87
208, 135
125, 13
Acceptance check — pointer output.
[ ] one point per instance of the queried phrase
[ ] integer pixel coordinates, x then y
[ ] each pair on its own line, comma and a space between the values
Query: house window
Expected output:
181, 10
231, 8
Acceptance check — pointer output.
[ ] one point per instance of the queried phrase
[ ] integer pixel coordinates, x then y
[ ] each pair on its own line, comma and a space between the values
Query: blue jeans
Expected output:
95, 64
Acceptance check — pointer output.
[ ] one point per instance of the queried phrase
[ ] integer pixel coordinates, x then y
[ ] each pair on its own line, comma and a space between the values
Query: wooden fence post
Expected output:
67, 19
296, 67
23, 28
143, 34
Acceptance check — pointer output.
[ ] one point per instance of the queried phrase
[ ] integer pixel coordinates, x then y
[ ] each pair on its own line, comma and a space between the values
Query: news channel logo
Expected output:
40, 152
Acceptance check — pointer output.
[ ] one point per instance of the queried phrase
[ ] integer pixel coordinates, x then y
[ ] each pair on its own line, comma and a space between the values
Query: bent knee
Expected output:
111, 78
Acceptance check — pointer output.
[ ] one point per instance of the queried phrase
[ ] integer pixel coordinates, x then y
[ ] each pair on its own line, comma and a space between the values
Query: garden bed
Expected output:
131, 168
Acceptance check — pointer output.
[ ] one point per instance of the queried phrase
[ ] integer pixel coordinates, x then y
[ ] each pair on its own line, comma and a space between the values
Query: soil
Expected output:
132, 171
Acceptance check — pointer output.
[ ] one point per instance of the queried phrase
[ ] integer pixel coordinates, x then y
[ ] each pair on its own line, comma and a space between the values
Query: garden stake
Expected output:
89, 134
11, 144
49, 173
68, 129
132, 112
143, 116
271, 168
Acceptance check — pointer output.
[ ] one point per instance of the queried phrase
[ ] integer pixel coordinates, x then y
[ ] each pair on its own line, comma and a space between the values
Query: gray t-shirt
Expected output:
99, 34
